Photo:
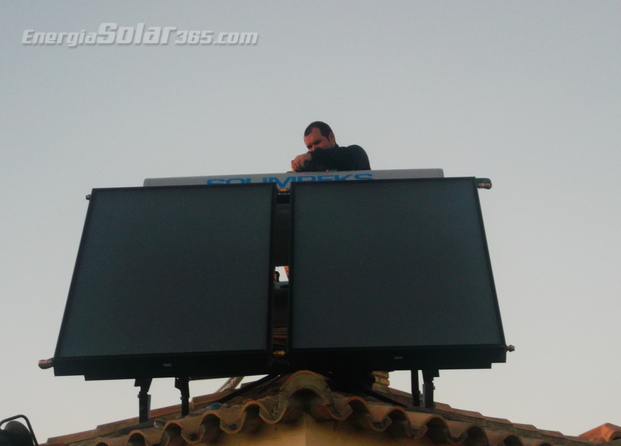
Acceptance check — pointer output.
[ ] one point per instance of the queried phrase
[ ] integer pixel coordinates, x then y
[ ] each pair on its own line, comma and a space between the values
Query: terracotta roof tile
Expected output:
72, 438
499, 420
496, 438
443, 407
535, 442
552, 433
461, 430
527, 427
288, 399
468, 413
604, 433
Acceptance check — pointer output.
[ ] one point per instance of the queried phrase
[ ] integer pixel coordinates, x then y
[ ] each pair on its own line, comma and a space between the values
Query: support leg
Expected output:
415, 389
183, 384
144, 399
428, 387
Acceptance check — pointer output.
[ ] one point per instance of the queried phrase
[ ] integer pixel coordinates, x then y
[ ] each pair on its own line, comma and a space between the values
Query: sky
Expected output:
526, 93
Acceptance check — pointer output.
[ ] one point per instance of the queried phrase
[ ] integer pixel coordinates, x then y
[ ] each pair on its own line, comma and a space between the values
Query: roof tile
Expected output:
289, 398
604, 433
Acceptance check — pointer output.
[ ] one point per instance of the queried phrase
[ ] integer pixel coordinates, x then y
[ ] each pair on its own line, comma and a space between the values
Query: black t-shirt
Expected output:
337, 158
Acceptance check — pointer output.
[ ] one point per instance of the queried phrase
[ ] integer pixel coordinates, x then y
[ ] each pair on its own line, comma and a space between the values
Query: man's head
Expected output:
319, 135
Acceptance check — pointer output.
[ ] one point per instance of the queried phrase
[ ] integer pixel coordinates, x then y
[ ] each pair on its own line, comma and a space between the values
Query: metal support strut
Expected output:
183, 384
428, 387
144, 399
415, 388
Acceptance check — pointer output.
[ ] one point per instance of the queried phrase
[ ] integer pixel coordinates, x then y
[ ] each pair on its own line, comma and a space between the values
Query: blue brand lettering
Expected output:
307, 178
340, 178
229, 181
279, 183
286, 182
238, 181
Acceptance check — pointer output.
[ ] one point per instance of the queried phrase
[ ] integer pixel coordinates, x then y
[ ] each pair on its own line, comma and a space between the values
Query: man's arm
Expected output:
297, 163
337, 158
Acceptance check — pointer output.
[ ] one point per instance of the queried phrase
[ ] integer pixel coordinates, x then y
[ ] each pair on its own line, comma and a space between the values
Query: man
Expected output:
324, 154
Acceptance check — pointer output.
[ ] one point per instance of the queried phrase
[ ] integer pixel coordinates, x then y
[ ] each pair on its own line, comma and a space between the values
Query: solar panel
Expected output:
391, 274
171, 281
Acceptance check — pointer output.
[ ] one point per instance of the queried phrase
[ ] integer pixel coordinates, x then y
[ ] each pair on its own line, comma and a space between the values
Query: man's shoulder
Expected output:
360, 159
354, 147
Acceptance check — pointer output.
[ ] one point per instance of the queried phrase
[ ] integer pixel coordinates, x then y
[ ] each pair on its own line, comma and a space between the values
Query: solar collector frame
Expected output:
171, 281
391, 274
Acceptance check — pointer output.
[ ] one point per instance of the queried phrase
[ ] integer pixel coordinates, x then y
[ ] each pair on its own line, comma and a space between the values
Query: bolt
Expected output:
46, 364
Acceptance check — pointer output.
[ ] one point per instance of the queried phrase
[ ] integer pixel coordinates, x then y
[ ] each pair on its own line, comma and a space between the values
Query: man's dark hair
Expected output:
324, 128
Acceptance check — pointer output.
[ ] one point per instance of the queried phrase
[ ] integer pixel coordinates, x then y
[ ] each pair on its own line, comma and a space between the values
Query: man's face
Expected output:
316, 140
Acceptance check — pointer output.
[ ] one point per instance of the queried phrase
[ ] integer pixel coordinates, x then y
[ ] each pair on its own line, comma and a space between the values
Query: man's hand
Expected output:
298, 162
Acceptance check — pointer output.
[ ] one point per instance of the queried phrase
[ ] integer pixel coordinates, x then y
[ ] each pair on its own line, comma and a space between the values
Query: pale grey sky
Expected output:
526, 93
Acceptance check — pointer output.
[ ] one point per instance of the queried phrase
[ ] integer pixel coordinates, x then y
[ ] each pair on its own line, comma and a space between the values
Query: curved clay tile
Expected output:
603, 434
346, 405
117, 441
513, 440
172, 435
248, 420
141, 437
439, 431
458, 431
477, 437
500, 438
185, 430
305, 381
535, 442
400, 426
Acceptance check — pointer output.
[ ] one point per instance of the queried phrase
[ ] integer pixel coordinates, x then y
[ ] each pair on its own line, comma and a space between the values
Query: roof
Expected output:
604, 434
297, 408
